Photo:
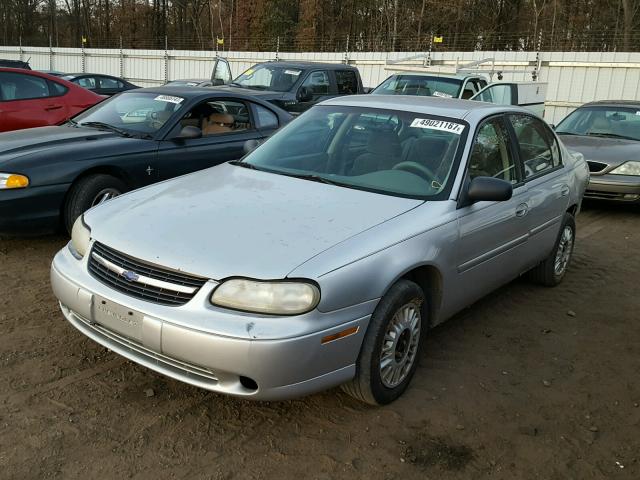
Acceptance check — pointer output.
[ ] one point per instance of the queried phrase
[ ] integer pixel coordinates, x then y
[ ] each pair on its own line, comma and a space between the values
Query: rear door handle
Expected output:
522, 209
564, 191
53, 107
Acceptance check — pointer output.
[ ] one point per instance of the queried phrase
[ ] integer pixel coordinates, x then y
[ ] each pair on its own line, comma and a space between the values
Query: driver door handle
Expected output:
522, 210
52, 107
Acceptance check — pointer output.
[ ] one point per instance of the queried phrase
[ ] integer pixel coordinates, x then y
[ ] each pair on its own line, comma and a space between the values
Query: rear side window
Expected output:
347, 82
266, 118
539, 148
111, 83
16, 86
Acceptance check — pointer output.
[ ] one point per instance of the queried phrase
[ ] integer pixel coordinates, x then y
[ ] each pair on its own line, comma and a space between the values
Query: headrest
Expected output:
383, 142
221, 119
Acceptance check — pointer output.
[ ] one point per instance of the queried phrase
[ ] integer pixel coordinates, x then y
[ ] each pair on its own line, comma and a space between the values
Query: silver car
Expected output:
325, 255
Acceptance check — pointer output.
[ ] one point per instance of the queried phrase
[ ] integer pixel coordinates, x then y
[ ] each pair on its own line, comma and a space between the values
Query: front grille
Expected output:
604, 195
596, 167
162, 286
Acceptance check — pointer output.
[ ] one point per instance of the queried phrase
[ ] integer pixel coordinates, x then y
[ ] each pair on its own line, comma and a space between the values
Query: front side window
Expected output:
491, 155
318, 82
220, 116
613, 122
274, 77
222, 71
16, 86
134, 112
421, 85
347, 82
385, 151
86, 82
539, 149
498, 94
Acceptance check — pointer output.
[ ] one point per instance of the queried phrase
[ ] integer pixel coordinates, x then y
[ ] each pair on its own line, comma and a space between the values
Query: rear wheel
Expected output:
89, 192
553, 269
391, 347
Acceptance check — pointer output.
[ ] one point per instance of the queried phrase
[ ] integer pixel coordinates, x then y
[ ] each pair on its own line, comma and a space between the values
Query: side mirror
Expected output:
489, 189
217, 82
250, 145
367, 90
189, 132
553, 126
304, 94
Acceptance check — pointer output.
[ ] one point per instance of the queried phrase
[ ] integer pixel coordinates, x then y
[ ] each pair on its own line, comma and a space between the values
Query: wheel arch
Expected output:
429, 278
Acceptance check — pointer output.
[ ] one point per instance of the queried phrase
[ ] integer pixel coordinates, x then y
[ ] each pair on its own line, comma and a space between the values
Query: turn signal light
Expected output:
13, 181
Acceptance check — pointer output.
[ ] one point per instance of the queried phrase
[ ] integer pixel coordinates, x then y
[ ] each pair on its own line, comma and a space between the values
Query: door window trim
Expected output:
517, 146
510, 145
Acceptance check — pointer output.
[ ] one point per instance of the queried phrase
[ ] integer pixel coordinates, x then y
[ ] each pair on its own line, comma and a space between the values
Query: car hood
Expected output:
33, 140
611, 151
230, 221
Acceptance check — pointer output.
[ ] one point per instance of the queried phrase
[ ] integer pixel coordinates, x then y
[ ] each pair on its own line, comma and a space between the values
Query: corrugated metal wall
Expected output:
573, 77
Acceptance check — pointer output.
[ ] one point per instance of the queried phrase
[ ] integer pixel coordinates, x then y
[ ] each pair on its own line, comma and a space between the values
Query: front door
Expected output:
492, 235
226, 124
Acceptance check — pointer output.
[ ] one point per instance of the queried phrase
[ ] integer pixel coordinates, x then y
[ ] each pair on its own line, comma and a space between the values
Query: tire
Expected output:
88, 192
553, 269
370, 384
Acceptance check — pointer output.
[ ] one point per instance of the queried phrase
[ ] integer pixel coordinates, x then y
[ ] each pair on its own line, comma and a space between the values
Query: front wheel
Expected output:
391, 347
553, 269
89, 192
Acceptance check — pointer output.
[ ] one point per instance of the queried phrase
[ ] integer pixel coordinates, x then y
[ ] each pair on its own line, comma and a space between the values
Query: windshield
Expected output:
269, 77
614, 122
421, 85
133, 112
385, 151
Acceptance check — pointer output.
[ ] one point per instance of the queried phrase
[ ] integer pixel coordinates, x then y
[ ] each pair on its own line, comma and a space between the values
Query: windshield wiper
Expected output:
240, 163
312, 177
611, 135
106, 126
234, 84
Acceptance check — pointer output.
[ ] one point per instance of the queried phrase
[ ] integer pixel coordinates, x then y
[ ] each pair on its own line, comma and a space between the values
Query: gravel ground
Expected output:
528, 383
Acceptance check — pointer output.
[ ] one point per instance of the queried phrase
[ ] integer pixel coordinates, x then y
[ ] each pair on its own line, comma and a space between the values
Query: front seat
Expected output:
382, 153
217, 123
427, 151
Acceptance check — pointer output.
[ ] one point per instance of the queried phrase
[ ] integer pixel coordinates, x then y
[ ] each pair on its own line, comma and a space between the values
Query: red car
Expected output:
33, 99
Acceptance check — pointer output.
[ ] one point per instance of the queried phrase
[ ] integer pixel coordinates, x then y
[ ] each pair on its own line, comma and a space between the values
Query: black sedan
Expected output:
50, 175
99, 83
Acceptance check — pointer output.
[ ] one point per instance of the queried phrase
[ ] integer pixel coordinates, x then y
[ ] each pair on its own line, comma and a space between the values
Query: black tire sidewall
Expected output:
83, 193
400, 294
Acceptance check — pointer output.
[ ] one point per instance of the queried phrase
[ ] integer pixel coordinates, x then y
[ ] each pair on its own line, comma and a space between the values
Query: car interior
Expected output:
218, 117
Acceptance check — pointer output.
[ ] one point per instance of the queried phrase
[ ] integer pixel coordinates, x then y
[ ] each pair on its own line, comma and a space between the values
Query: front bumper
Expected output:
32, 209
169, 342
620, 188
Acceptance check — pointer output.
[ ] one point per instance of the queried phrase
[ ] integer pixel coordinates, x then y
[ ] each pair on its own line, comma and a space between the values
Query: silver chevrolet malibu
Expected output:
325, 255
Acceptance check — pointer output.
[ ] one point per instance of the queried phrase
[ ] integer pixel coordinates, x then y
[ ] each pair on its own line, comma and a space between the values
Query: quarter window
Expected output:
491, 155
266, 118
539, 149
318, 82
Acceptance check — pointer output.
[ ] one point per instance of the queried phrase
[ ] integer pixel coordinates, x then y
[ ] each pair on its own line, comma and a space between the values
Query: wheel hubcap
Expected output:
563, 255
104, 195
400, 345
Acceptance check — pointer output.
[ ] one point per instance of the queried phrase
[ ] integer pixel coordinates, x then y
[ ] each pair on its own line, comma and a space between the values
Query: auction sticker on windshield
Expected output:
441, 125
441, 95
169, 99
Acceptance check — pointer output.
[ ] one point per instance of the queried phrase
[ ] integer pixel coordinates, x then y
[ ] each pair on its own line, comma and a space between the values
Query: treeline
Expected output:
325, 25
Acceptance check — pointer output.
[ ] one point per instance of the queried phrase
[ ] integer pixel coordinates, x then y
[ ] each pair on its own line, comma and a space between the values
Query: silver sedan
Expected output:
324, 256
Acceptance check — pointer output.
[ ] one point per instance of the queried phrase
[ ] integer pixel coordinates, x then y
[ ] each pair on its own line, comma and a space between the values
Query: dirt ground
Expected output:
528, 383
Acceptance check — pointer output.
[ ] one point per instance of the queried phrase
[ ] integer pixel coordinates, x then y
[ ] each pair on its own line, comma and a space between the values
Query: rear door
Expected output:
28, 101
226, 124
492, 235
546, 179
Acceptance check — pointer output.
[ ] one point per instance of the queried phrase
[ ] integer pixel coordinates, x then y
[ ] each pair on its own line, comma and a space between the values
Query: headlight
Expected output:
274, 298
629, 168
80, 237
13, 180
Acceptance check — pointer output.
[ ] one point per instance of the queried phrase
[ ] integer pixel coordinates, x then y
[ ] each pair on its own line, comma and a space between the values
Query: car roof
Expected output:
196, 92
445, 107
199, 80
89, 75
307, 65
613, 103
438, 75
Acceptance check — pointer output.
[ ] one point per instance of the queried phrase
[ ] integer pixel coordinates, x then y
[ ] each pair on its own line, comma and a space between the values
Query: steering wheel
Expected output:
417, 169
154, 122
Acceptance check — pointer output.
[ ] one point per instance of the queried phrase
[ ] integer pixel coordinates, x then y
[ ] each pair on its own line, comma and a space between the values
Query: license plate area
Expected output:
118, 318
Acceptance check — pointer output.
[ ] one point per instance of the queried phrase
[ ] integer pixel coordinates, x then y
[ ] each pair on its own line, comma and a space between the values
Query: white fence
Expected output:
573, 77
